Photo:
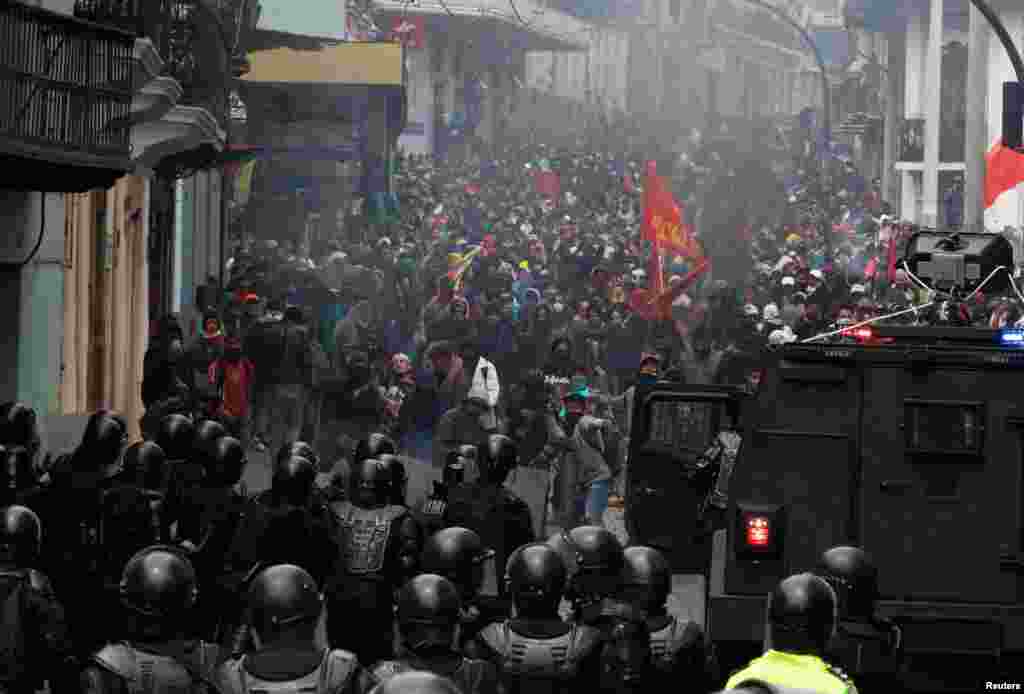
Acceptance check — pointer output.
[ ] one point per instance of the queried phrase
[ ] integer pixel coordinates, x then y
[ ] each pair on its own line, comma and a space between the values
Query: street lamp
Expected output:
826, 116
1013, 92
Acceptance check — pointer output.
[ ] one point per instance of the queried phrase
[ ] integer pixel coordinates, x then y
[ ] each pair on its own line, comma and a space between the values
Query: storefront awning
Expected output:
368, 64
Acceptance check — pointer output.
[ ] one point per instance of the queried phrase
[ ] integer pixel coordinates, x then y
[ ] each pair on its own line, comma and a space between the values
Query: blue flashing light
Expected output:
1013, 337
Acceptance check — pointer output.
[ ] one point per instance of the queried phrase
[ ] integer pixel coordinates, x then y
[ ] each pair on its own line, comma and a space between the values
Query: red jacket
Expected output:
235, 379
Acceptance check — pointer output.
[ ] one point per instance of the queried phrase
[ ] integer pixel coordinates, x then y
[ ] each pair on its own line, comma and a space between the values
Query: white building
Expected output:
950, 69
468, 51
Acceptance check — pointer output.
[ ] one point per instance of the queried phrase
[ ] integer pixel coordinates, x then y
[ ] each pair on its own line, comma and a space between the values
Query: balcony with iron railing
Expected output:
187, 34
67, 88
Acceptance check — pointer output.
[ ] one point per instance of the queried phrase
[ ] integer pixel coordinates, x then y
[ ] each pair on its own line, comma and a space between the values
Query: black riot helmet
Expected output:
399, 483
454, 472
370, 484
18, 472
459, 555
468, 451
206, 434
589, 548
176, 436
293, 481
21, 535
228, 462
145, 465
19, 426
208, 431
854, 578
646, 578
103, 441
427, 611
301, 449
802, 614
283, 596
535, 577
373, 446
416, 682
497, 458
159, 582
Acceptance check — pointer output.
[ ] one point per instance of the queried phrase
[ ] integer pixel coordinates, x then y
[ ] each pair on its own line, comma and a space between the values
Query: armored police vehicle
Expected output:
908, 442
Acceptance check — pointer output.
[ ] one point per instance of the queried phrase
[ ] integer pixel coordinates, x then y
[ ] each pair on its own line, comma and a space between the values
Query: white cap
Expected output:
817, 274
771, 312
788, 282
751, 310
857, 289
782, 336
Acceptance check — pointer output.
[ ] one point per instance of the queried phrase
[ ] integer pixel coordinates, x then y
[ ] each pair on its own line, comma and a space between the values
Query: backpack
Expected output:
14, 655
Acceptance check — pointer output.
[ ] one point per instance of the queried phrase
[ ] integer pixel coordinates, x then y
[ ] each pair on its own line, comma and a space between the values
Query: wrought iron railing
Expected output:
184, 32
66, 83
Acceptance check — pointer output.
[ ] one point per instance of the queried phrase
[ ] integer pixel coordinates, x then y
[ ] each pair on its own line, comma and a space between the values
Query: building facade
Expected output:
468, 66
94, 155
949, 70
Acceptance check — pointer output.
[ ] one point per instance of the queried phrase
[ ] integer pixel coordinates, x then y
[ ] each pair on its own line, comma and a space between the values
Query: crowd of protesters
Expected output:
509, 290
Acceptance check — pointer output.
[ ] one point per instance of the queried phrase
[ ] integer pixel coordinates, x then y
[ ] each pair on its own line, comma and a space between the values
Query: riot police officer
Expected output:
286, 610
379, 547
536, 651
487, 507
679, 650
866, 645
158, 592
594, 558
459, 555
432, 511
176, 436
35, 639
801, 622
218, 510
428, 615
399, 478
145, 467
372, 446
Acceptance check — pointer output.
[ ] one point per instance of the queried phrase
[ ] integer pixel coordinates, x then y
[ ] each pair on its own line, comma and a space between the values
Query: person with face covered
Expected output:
470, 423
233, 375
561, 367
399, 383
359, 408
164, 390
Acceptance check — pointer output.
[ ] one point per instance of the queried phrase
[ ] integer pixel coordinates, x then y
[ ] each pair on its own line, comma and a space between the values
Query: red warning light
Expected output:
863, 333
759, 531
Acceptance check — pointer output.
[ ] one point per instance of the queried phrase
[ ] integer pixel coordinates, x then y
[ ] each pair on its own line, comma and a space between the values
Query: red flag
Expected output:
1004, 170
409, 30
663, 219
891, 268
547, 184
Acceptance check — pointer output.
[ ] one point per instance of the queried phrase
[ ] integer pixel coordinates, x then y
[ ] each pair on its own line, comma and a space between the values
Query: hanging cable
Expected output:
39, 241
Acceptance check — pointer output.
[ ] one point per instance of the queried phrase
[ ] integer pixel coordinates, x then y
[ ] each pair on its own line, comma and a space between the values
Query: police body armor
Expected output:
433, 508
470, 675
528, 662
668, 642
336, 673
366, 535
153, 673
